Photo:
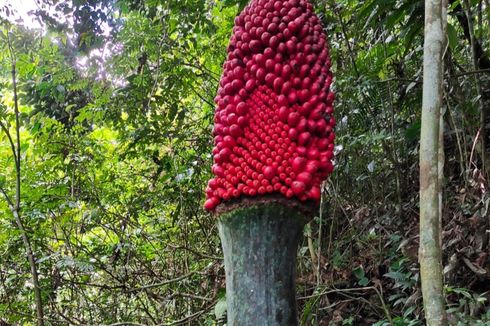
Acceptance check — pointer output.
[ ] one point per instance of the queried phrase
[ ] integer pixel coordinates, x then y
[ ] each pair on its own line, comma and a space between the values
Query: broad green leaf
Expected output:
452, 36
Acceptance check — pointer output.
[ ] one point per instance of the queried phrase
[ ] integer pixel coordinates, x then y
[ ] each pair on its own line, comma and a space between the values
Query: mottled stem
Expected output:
260, 243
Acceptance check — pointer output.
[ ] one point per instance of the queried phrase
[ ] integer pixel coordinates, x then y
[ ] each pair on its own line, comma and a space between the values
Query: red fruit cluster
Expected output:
273, 124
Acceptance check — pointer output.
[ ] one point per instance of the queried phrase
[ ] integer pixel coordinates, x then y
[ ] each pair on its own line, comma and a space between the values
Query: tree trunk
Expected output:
260, 241
430, 255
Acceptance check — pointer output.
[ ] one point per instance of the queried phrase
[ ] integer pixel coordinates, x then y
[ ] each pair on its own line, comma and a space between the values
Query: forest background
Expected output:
112, 105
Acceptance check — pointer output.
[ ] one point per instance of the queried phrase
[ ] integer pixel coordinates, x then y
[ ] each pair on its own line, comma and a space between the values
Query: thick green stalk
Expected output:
260, 243
430, 255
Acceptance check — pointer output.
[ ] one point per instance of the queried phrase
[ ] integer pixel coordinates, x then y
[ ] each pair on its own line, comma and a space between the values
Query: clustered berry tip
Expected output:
273, 123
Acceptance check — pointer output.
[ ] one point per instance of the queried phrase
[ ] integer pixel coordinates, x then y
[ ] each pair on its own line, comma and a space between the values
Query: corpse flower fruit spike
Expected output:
273, 125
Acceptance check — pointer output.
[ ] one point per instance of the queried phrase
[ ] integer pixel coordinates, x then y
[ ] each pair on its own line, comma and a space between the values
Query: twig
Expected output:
385, 308
7, 198
95, 285
335, 304
124, 323
16, 211
151, 286
187, 295
472, 72
473, 147
346, 38
461, 74
12, 146
336, 291
195, 252
469, 17
190, 317
406, 80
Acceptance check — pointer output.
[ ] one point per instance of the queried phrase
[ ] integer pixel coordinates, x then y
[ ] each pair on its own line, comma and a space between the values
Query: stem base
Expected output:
260, 244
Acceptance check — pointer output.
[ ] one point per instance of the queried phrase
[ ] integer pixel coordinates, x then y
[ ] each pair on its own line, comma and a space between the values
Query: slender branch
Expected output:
190, 318
461, 74
483, 60
11, 141
319, 253
366, 288
7, 198
346, 38
95, 285
187, 295
124, 323
69, 320
195, 252
406, 80
16, 203
469, 18
393, 142
477, 137
472, 72
150, 286
311, 248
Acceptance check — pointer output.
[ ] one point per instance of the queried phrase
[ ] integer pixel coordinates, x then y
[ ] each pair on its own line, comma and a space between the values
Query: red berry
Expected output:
304, 138
269, 172
293, 134
305, 177
211, 203
298, 164
235, 131
315, 193
241, 108
298, 187
293, 119
312, 166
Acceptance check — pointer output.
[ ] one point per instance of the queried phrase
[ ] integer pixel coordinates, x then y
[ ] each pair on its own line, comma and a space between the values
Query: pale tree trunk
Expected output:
430, 255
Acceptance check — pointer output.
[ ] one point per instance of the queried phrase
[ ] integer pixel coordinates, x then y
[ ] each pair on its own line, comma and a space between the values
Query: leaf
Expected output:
172, 112
363, 281
396, 16
454, 4
45, 258
409, 311
24, 147
358, 272
474, 268
220, 309
367, 9
35, 128
412, 132
410, 86
463, 292
452, 36
371, 166
60, 88
397, 276
415, 28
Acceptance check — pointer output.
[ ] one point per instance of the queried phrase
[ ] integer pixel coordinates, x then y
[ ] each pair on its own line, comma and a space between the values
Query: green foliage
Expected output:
361, 276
